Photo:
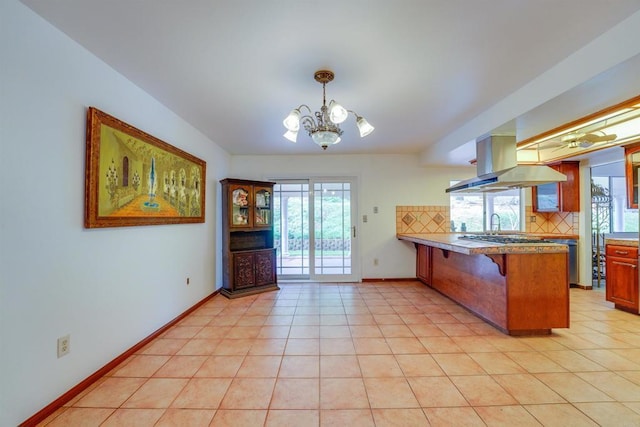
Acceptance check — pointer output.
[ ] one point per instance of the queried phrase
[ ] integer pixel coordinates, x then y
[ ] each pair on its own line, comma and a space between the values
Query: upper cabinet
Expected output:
632, 163
559, 196
250, 205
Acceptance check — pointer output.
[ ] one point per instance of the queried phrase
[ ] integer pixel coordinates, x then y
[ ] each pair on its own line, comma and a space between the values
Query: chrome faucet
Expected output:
491, 227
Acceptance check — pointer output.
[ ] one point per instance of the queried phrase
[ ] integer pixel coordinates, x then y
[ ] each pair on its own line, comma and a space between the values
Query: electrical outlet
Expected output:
375, 209
64, 345
533, 218
187, 280
375, 261
365, 218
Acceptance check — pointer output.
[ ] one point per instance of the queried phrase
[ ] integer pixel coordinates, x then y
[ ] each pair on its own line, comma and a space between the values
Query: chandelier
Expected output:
324, 129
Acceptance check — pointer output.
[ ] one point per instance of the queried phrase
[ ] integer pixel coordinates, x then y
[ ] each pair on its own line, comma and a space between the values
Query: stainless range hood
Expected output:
498, 169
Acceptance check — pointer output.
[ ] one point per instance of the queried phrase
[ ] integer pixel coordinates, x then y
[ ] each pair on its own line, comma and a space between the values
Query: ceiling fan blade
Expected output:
593, 138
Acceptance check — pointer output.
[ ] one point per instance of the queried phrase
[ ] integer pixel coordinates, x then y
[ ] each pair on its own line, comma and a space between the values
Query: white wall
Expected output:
383, 180
108, 288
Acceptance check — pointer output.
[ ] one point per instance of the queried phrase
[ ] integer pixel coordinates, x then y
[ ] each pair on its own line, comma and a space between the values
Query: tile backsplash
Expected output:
551, 222
436, 219
422, 219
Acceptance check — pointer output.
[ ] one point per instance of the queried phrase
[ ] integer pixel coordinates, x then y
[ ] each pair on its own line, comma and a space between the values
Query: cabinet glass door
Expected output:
547, 198
240, 203
262, 214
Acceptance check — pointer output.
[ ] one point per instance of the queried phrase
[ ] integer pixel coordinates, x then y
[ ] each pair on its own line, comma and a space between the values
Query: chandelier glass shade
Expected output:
324, 128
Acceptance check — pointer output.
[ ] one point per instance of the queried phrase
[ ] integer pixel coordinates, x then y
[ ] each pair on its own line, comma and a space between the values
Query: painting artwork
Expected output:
133, 178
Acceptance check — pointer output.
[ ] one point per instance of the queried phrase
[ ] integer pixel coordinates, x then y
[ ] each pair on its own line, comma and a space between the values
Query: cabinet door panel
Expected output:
423, 264
622, 281
265, 267
632, 163
570, 189
547, 198
244, 275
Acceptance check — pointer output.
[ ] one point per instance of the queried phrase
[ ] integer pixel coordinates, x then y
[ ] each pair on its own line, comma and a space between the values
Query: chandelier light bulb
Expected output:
364, 127
292, 121
337, 113
291, 135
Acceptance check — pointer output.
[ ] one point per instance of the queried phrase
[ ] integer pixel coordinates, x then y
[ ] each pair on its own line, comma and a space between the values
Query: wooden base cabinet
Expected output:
254, 268
423, 264
249, 255
622, 277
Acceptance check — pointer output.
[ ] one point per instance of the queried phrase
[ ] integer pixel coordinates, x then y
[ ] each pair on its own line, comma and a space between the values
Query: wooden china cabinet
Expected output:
249, 255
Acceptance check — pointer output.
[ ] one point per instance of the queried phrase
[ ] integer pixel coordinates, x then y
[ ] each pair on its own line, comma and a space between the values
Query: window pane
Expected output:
291, 211
624, 219
504, 206
332, 234
601, 205
466, 210
473, 211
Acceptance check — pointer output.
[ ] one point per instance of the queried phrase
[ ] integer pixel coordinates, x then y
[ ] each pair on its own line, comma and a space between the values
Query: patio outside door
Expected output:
321, 246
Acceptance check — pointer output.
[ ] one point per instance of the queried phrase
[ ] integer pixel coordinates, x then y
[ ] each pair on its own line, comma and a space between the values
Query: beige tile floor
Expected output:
370, 354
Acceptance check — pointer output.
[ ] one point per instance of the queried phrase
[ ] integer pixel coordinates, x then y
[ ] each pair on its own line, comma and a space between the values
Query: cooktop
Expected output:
504, 239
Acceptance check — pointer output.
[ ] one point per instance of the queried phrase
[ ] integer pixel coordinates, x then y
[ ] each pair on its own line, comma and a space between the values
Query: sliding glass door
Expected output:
319, 246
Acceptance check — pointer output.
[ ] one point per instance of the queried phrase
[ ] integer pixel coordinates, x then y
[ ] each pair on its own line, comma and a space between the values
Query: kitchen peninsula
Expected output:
522, 288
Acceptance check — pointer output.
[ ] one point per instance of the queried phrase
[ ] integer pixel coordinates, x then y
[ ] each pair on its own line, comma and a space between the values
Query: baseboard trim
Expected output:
45, 412
390, 279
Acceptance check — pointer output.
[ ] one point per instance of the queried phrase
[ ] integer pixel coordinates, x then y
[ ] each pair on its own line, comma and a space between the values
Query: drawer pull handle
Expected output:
622, 252
626, 264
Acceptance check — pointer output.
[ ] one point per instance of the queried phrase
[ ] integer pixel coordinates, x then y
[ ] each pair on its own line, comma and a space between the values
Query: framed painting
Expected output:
133, 178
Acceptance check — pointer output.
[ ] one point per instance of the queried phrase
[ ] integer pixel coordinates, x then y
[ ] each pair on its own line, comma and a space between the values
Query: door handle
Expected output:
353, 231
626, 264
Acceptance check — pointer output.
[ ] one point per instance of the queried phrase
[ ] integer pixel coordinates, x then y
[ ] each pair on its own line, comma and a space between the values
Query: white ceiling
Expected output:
430, 75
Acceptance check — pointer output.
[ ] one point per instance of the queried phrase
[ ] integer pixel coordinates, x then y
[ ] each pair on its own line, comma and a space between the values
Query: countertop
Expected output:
451, 242
621, 241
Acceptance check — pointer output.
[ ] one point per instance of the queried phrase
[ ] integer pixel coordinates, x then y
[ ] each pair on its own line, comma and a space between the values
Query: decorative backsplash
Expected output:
422, 219
551, 222
436, 219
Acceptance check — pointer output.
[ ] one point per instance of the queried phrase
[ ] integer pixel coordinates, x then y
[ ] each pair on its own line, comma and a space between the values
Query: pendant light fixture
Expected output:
324, 129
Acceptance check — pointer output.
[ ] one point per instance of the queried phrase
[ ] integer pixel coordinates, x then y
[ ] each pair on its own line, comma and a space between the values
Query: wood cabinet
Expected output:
632, 163
622, 277
423, 263
507, 290
254, 268
559, 196
249, 255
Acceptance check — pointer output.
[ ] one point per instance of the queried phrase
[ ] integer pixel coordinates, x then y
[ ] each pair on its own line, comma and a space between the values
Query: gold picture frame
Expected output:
133, 178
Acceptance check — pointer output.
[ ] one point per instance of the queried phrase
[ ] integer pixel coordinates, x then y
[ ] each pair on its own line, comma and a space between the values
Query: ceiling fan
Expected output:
584, 140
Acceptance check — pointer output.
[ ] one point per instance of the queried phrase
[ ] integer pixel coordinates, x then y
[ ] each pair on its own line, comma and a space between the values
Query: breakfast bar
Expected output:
520, 286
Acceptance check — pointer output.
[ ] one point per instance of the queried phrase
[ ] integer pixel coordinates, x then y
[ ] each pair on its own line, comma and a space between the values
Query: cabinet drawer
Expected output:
622, 251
